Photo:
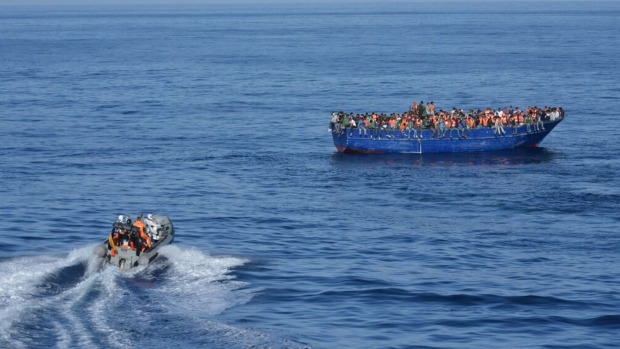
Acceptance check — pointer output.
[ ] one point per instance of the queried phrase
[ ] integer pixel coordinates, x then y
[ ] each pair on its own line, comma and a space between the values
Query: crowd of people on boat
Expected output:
138, 235
454, 123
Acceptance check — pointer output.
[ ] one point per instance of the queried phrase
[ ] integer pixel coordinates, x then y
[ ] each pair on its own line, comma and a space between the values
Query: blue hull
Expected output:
478, 140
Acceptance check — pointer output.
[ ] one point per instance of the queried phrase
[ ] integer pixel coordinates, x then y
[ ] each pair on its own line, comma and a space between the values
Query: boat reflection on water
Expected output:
509, 157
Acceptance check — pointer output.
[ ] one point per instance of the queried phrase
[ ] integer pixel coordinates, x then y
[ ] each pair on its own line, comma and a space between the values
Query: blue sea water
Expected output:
217, 116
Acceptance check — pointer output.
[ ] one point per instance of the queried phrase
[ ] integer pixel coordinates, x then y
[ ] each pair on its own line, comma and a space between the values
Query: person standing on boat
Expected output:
391, 126
333, 122
534, 118
539, 123
514, 122
528, 119
409, 125
519, 116
554, 115
361, 125
471, 122
422, 110
151, 227
430, 109
352, 124
442, 127
428, 124
113, 239
462, 126
345, 122
143, 238
498, 128
534, 122
499, 113
372, 126
417, 131
120, 234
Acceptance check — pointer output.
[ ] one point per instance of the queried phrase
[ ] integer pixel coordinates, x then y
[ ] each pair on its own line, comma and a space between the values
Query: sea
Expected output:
217, 116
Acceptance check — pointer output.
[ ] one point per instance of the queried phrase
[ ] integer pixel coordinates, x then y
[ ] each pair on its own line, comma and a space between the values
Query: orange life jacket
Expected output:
144, 236
113, 244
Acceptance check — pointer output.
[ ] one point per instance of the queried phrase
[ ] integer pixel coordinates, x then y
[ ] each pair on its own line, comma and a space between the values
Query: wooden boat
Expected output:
380, 140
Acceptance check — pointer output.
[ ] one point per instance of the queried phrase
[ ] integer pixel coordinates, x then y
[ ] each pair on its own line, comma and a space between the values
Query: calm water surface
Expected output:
217, 116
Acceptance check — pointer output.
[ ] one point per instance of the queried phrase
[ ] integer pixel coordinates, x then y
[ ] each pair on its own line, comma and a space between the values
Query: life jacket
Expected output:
139, 225
113, 244
122, 239
143, 235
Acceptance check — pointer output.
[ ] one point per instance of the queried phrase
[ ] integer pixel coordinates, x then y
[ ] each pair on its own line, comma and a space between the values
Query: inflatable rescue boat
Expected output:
136, 243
